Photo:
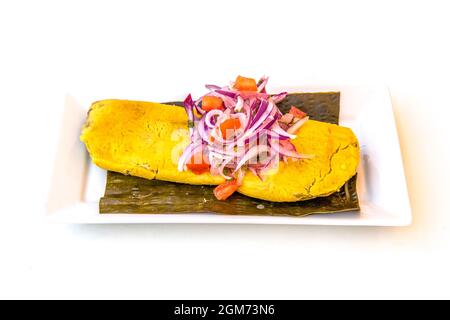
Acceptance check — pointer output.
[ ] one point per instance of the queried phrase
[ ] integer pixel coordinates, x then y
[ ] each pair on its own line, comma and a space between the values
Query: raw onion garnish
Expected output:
246, 131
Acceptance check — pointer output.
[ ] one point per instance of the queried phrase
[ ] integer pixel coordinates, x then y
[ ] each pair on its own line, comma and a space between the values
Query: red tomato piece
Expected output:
297, 112
198, 164
225, 190
211, 103
245, 84
229, 126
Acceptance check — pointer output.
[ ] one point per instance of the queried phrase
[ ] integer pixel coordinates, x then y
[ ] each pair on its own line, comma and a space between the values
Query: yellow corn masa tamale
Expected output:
146, 139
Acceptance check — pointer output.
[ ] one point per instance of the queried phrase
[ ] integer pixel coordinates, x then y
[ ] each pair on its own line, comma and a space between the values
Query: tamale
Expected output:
146, 139
128, 194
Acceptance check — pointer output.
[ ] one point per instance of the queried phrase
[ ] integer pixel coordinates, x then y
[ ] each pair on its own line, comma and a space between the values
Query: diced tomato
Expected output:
224, 190
228, 126
198, 164
211, 103
245, 84
297, 112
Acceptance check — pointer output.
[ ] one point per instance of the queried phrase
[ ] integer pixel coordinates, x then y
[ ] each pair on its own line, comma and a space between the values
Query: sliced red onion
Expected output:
251, 101
222, 168
256, 127
263, 105
210, 121
268, 123
188, 106
261, 131
239, 104
260, 170
277, 129
193, 105
270, 163
262, 116
294, 128
218, 163
253, 152
247, 111
279, 97
275, 136
188, 153
251, 116
221, 152
213, 163
262, 83
203, 130
227, 93
212, 87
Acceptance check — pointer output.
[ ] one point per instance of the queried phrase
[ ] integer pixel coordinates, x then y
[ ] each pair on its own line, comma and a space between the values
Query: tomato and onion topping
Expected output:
239, 128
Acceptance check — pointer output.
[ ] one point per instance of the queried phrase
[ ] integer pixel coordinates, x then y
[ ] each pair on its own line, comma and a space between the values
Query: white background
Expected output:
148, 50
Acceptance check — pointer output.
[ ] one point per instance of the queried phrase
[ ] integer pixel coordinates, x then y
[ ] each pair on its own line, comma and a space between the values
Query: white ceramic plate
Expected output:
78, 185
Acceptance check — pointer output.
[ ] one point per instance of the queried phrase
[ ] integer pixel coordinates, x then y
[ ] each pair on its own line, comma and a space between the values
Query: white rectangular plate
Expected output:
77, 185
